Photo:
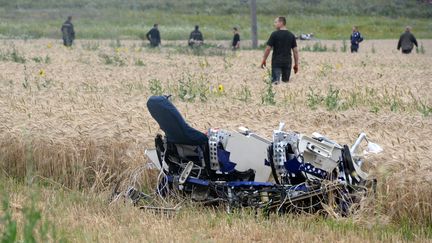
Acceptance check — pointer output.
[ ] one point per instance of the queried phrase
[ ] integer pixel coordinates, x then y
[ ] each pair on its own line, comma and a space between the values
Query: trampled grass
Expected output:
73, 127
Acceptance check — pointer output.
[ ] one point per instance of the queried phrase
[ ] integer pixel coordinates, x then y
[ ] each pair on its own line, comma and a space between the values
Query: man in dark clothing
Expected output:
68, 32
236, 39
356, 38
282, 42
154, 36
407, 41
196, 38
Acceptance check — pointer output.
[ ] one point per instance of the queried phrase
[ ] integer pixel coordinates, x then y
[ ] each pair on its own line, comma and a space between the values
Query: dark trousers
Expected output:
282, 72
67, 41
406, 51
154, 42
354, 48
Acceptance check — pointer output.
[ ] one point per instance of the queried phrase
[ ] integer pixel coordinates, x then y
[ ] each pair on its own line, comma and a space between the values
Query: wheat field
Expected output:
74, 120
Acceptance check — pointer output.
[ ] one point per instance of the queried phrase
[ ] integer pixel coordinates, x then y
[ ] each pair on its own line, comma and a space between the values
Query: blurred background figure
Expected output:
68, 32
236, 39
196, 37
407, 41
356, 38
153, 36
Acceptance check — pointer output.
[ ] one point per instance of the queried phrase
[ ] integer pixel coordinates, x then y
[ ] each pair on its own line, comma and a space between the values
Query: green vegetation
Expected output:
336, 99
268, 96
35, 229
139, 62
12, 55
194, 87
38, 59
45, 216
155, 87
331, 7
317, 47
190, 88
115, 60
421, 49
90, 46
244, 94
10, 225
332, 99
313, 99
344, 46
204, 50
110, 19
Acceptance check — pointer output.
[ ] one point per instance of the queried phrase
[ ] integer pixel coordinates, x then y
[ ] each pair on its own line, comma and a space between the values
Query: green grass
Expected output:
328, 19
397, 8
115, 60
35, 226
12, 55
318, 47
268, 94
47, 214
155, 87
336, 99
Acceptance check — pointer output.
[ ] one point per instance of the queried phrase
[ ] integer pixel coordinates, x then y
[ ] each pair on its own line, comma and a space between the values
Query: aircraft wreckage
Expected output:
291, 173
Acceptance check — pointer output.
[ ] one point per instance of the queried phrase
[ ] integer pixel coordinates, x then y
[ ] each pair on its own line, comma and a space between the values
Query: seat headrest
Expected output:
172, 123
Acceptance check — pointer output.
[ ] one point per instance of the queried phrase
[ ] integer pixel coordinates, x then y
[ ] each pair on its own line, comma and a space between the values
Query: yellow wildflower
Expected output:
221, 88
42, 73
49, 45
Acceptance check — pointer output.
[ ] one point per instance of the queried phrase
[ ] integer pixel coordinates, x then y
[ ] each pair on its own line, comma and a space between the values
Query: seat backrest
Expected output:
172, 123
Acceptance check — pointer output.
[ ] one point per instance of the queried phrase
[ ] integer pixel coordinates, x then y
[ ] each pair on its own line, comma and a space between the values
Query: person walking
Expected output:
153, 36
68, 32
356, 38
196, 37
407, 41
236, 39
282, 42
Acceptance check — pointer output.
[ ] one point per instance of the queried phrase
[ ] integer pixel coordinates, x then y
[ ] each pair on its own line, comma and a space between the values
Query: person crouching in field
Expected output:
196, 37
407, 41
282, 42
236, 39
356, 38
153, 36
68, 32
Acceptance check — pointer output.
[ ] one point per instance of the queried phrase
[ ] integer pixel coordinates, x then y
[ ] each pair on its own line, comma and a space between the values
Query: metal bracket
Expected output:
186, 172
